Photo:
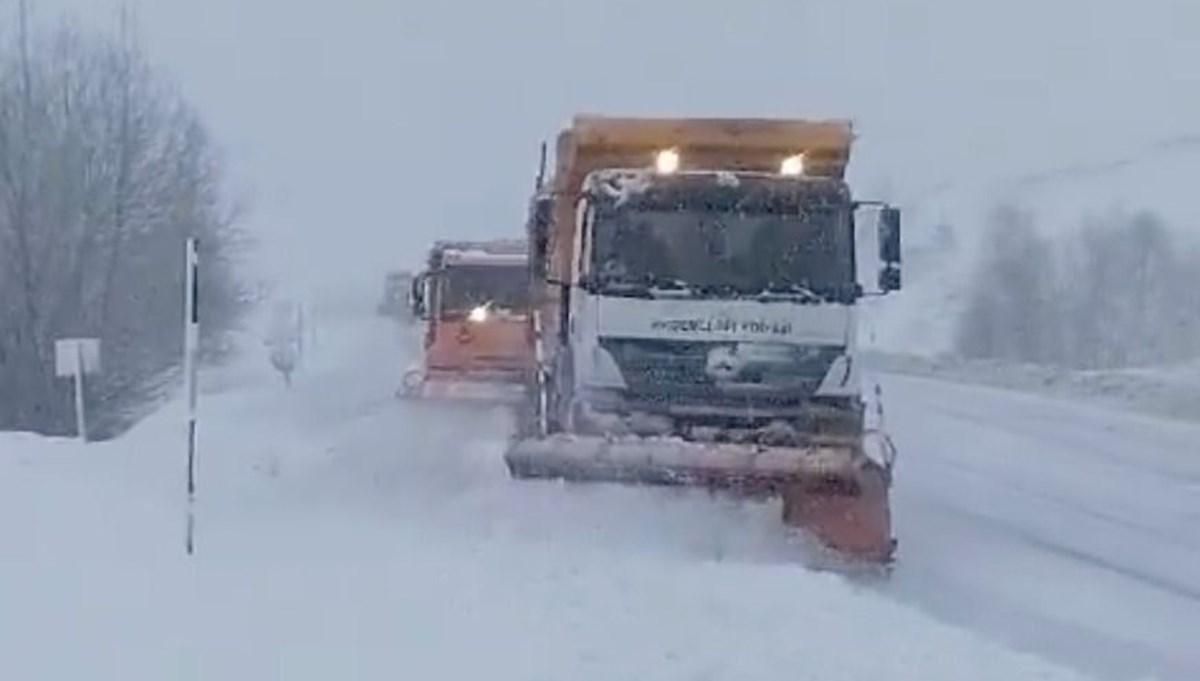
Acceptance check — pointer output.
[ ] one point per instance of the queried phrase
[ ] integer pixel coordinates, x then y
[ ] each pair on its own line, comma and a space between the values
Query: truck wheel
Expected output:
561, 388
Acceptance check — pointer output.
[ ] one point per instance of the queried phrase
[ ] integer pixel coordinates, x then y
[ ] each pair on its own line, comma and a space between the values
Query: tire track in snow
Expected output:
1089, 558
1024, 489
1039, 521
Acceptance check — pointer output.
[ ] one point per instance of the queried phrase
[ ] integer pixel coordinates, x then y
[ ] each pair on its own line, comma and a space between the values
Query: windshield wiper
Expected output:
790, 293
648, 287
624, 289
661, 287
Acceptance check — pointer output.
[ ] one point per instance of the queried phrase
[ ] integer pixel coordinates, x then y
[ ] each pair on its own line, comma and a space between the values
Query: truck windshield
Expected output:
724, 253
464, 287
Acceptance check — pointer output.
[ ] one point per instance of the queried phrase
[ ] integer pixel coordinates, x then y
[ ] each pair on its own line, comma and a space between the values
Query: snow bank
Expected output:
341, 536
1172, 392
98, 573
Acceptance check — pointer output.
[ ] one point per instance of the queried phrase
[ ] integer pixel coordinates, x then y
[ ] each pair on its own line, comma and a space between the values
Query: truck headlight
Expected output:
792, 165
667, 161
478, 314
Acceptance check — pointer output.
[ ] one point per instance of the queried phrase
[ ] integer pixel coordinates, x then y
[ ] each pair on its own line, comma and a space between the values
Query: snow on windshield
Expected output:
744, 253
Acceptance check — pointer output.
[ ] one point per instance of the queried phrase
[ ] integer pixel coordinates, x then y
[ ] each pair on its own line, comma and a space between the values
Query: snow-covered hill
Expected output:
944, 227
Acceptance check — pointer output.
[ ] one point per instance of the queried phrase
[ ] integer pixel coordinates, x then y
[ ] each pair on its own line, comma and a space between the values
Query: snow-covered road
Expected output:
1061, 528
344, 535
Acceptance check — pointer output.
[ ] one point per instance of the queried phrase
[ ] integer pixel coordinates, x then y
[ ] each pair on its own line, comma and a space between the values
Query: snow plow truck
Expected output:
473, 299
694, 284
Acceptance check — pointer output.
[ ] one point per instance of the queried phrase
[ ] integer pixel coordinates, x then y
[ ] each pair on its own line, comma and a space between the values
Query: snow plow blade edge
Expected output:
833, 491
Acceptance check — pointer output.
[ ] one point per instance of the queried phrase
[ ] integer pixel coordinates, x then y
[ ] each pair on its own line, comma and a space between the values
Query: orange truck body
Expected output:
473, 297
745, 144
829, 486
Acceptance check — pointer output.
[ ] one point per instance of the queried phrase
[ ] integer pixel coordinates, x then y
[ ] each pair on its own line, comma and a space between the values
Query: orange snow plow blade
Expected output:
833, 490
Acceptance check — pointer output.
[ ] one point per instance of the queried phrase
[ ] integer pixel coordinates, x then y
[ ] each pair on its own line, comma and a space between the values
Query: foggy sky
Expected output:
364, 129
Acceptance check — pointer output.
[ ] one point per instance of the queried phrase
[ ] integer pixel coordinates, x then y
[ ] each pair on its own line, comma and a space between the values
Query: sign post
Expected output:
74, 357
191, 336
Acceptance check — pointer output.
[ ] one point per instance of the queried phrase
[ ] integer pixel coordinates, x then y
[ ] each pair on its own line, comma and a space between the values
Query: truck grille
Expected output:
679, 372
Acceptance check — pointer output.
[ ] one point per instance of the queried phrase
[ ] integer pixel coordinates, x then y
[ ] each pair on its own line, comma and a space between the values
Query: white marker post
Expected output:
75, 357
191, 337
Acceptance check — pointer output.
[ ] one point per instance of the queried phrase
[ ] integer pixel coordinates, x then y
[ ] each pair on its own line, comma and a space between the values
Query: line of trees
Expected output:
1118, 292
105, 169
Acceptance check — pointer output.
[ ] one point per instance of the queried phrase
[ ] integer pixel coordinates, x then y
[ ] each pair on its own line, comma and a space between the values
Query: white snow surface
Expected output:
1170, 391
344, 535
1057, 526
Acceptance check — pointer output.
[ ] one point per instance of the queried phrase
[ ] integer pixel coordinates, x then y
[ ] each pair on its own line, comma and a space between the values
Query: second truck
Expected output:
473, 299
695, 287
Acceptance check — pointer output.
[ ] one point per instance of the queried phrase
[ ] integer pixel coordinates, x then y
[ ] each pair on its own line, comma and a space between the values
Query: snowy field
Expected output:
343, 535
1169, 391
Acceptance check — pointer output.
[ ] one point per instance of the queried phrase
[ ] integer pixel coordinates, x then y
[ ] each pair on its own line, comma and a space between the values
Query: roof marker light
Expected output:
667, 161
792, 165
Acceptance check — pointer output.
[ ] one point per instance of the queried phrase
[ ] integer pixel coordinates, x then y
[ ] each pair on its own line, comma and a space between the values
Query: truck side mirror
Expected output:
416, 296
889, 249
540, 220
889, 234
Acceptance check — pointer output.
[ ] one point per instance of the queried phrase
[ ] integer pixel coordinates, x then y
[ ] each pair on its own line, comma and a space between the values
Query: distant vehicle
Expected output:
474, 299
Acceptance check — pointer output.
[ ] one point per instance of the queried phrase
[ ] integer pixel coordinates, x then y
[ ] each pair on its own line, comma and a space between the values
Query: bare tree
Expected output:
104, 171
1128, 297
1114, 294
1011, 305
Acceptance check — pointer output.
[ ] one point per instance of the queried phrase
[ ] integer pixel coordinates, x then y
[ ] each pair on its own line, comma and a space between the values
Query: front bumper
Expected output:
482, 387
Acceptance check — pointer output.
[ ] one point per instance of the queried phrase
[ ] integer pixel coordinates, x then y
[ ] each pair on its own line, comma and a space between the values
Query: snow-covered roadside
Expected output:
305, 570
1172, 392
1061, 527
